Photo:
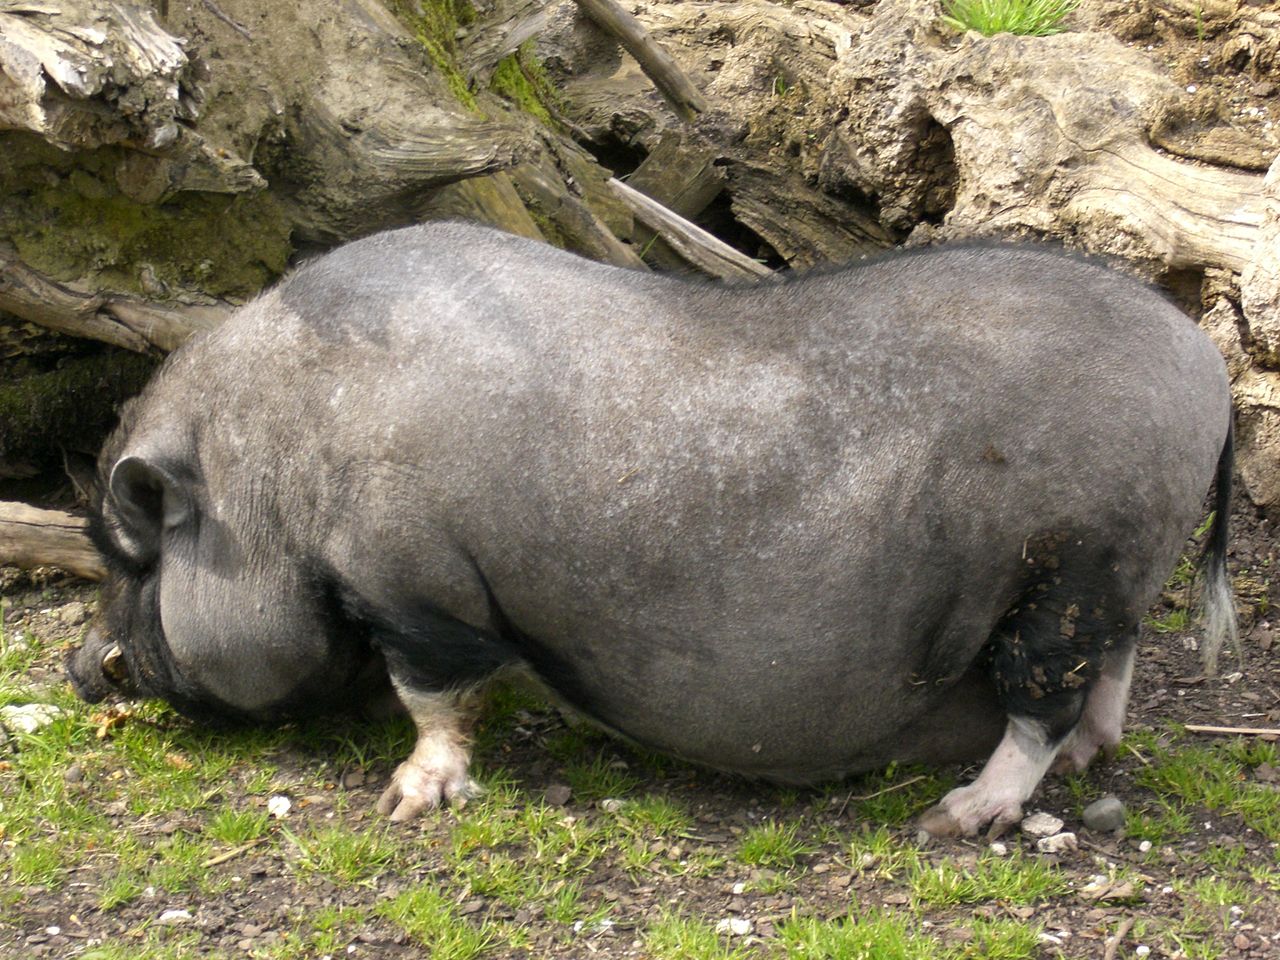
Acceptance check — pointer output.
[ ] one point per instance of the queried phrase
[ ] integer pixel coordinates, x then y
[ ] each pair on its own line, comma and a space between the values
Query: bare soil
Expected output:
269, 894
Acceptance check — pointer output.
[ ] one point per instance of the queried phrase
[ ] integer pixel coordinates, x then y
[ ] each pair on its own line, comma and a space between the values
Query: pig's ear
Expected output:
147, 499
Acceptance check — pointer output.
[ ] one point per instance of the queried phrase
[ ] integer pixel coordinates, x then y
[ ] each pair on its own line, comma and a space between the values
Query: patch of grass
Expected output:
1177, 620
235, 827
530, 857
599, 778
657, 814
432, 919
159, 944
1031, 18
36, 864
866, 935
123, 886
326, 933
344, 855
1013, 879
574, 742
897, 794
770, 882
1002, 940
1161, 824
1217, 777
879, 853
501, 876
177, 863
772, 844
1218, 893
675, 937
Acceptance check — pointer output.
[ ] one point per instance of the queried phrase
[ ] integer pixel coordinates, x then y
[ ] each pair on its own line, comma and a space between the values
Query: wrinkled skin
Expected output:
912, 510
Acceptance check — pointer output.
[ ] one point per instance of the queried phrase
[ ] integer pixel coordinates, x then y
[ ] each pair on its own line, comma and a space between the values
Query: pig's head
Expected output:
209, 603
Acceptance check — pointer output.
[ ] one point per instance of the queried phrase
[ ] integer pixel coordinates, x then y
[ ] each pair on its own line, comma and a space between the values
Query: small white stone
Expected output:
1041, 825
279, 806
610, 805
1144, 846
739, 889
1191, 88
53, 931
735, 926
1048, 938
999, 849
1058, 843
1141, 950
175, 917
29, 717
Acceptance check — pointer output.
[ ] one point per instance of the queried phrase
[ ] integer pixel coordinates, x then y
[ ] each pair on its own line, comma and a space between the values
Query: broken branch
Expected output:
1234, 731
657, 64
705, 251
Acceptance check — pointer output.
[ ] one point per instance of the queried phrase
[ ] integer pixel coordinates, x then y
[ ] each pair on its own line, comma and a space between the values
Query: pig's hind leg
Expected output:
1047, 662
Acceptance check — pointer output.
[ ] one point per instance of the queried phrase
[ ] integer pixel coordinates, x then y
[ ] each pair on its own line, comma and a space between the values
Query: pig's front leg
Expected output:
436, 772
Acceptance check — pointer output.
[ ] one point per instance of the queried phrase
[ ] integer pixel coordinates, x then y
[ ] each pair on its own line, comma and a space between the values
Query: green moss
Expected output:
521, 79
67, 219
435, 24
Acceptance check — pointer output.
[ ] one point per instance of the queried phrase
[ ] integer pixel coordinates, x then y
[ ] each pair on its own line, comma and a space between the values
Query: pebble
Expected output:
74, 613
1241, 942
735, 926
279, 806
1041, 825
999, 849
73, 773
29, 717
1104, 816
610, 804
175, 917
558, 794
1058, 843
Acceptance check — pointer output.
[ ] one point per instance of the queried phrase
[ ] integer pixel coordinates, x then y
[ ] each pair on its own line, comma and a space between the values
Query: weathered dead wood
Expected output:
1234, 731
121, 321
1190, 215
658, 65
30, 537
683, 176
745, 55
82, 74
702, 249
805, 226
501, 35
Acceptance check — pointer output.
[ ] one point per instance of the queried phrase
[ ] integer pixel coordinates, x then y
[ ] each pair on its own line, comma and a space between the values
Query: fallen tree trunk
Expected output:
30, 537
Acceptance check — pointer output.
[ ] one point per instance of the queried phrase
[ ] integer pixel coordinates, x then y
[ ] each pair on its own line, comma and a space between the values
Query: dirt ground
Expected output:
269, 893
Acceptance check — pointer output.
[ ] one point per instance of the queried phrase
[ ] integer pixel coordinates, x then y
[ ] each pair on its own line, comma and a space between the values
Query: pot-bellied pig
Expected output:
909, 510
